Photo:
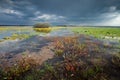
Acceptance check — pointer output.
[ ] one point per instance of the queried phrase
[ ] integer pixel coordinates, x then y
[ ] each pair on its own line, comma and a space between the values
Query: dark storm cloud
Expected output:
86, 12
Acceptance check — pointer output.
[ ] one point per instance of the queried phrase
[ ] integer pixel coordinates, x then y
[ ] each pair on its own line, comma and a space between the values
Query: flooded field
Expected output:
71, 51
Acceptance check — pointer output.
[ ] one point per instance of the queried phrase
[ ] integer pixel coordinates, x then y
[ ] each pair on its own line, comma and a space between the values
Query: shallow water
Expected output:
18, 46
61, 32
32, 43
5, 33
35, 42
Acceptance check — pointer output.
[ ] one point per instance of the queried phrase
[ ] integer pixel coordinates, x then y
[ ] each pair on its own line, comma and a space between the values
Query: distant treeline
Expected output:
88, 26
16, 25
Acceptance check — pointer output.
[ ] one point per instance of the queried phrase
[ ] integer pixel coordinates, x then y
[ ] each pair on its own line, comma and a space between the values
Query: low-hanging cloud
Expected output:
81, 12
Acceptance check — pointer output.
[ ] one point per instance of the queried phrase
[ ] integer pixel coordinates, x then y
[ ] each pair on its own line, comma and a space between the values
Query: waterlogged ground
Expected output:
35, 38
67, 52
30, 43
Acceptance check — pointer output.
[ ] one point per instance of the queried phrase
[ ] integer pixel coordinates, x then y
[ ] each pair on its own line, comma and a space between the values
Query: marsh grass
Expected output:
97, 31
76, 64
19, 68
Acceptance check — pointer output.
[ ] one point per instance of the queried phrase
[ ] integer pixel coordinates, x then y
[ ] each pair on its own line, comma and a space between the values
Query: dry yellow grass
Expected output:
25, 27
15, 27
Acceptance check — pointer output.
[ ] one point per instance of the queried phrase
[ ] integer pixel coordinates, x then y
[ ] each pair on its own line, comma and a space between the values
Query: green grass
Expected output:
97, 31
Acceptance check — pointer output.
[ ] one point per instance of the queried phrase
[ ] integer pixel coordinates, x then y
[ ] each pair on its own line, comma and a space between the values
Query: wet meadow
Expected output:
59, 53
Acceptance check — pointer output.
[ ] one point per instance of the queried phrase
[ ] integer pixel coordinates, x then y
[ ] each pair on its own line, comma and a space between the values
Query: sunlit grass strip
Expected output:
15, 27
97, 31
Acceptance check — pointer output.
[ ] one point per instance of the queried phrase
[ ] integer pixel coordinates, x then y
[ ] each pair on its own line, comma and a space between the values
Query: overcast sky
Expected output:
81, 12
